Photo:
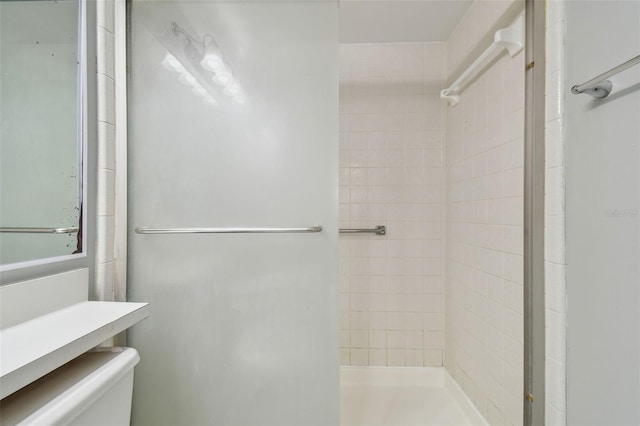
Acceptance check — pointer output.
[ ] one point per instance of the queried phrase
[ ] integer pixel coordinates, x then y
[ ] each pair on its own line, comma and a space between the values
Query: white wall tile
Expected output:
484, 217
105, 228
104, 273
391, 169
377, 357
105, 52
106, 146
555, 286
104, 14
432, 358
105, 208
359, 356
106, 185
395, 357
106, 96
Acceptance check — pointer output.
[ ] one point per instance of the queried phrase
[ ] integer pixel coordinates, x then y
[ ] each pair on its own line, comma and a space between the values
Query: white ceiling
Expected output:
393, 21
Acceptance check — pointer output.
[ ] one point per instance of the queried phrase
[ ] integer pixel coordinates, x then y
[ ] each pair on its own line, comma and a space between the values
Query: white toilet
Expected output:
93, 389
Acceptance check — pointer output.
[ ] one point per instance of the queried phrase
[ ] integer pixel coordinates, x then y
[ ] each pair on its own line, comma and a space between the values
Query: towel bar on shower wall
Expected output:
599, 87
30, 230
143, 230
510, 38
378, 230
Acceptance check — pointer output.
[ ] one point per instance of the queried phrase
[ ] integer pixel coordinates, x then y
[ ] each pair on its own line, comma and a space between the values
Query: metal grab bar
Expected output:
142, 230
378, 230
600, 87
30, 230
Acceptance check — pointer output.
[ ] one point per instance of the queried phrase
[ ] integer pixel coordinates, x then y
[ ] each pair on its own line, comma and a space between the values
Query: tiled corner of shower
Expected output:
484, 247
484, 161
391, 135
110, 262
555, 263
105, 220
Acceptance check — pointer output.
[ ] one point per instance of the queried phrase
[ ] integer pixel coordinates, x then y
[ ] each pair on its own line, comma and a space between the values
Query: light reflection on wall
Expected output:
171, 63
223, 77
203, 57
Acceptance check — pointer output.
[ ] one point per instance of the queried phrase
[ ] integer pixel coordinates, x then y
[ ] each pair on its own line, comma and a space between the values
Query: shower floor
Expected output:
402, 396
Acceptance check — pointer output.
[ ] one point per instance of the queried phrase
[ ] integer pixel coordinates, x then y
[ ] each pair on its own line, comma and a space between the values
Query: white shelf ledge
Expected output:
31, 349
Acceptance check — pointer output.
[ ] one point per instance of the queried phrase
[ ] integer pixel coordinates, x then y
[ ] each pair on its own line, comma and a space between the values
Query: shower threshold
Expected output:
402, 396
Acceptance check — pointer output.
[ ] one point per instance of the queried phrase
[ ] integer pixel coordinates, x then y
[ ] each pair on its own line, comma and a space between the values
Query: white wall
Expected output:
603, 223
252, 318
484, 224
391, 134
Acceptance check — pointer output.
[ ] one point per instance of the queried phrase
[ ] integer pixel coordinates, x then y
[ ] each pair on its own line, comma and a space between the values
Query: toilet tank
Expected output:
93, 389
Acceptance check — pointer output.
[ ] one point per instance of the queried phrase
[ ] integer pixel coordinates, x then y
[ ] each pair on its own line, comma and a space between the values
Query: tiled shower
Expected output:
444, 286
391, 137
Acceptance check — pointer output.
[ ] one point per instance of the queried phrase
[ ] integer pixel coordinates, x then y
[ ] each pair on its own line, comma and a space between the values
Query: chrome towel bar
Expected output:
30, 230
378, 230
599, 87
143, 230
